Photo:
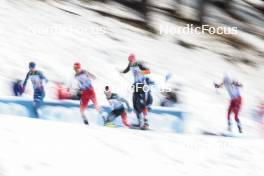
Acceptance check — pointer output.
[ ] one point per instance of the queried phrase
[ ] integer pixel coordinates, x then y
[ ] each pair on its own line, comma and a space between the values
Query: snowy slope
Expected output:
55, 39
55, 34
35, 148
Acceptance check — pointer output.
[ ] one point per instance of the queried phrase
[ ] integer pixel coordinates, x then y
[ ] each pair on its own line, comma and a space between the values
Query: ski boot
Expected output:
109, 124
85, 121
239, 126
141, 124
146, 124
240, 129
229, 128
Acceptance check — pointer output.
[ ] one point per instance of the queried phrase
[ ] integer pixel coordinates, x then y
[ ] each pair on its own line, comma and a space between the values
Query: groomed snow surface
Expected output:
38, 148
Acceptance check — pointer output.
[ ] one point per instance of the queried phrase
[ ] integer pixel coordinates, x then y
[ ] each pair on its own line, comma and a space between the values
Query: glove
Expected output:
129, 109
216, 85
23, 89
79, 93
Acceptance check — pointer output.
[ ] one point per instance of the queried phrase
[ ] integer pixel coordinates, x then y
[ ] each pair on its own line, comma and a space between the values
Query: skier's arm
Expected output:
26, 79
90, 75
219, 85
126, 102
43, 77
144, 69
127, 69
238, 84
149, 81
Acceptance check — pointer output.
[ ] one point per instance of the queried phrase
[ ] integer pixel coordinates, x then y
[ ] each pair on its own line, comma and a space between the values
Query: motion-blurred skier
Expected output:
117, 106
86, 89
232, 88
36, 78
141, 99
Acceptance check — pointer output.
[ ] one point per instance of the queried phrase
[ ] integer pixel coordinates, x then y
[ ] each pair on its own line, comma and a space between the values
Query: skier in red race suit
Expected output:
232, 88
86, 90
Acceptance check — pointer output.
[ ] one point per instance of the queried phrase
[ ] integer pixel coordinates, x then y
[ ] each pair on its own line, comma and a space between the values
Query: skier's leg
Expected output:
144, 98
142, 109
138, 118
83, 105
93, 98
149, 101
135, 105
236, 111
145, 114
124, 119
38, 101
134, 100
229, 111
110, 118
239, 125
141, 120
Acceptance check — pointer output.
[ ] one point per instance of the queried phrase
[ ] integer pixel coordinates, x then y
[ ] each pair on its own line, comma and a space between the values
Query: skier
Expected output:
86, 90
232, 88
117, 106
142, 98
36, 78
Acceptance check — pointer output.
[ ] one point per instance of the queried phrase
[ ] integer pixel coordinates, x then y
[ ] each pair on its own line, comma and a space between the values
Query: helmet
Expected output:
107, 91
32, 65
77, 65
131, 58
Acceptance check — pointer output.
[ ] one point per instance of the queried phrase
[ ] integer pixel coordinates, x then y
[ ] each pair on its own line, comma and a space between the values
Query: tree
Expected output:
145, 9
202, 10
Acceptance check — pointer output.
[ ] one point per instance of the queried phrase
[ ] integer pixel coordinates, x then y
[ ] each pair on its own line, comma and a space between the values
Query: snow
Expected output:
36, 147
52, 39
38, 31
49, 37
